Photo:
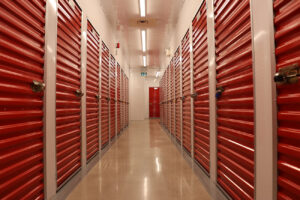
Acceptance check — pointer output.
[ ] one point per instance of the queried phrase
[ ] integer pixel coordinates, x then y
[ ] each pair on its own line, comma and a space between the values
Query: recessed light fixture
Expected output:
144, 40
144, 61
143, 8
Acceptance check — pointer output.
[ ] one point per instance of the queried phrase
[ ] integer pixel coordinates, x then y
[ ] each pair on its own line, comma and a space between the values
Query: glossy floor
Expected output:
143, 164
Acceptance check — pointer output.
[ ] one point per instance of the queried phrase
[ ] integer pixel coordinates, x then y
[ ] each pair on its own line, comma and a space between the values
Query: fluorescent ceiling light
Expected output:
144, 40
144, 61
143, 8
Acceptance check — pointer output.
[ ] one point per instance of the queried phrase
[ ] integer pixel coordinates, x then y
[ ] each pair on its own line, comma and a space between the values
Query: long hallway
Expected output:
142, 164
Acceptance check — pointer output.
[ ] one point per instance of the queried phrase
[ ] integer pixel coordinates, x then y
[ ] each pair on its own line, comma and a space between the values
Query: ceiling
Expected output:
161, 16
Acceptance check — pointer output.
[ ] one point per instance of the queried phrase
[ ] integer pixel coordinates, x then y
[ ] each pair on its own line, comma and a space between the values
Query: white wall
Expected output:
139, 94
186, 16
107, 30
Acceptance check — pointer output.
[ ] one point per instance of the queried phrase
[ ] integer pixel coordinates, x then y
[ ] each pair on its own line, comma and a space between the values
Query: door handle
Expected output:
219, 92
79, 93
287, 75
37, 86
97, 97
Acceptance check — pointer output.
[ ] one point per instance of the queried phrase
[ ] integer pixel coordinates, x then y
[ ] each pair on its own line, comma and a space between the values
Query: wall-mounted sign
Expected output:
143, 73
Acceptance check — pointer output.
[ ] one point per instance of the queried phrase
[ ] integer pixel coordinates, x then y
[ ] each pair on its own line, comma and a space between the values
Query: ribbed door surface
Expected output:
177, 81
122, 99
287, 38
104, 96
235, 123
21, 109
172, 98
68, 92
201, 101
186, 93
112, 88
127, 101
118, 99
92, 91
169, 97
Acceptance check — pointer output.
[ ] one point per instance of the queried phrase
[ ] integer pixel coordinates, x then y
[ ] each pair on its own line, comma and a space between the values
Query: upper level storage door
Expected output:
186, 92
235, 111
201, 91
21, 99
92, 92
68, 91
104, 95
287, 40
112, 88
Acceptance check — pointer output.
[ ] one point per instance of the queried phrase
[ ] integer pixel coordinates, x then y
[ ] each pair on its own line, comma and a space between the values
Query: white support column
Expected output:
100, 95
265, 98
109, 129
116, 102
83, 89
181, 102
50, 99
192, 88
212, 90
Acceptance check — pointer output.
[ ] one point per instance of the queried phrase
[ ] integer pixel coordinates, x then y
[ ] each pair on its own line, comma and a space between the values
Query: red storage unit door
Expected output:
177, 81
122, 99
172, 86
112, 86
287, 37
68, 93
92, 91
104, 96
235, 121
21, 109
186, 92
118, 99
201, 101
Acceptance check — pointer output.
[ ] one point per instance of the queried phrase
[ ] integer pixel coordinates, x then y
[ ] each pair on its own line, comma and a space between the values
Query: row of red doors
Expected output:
21, 96
234, 96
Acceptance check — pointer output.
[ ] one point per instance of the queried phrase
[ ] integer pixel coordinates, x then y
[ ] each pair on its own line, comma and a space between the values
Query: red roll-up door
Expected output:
201, 100
186, 93
287, 37
235, 121
68, 92
122, 99
177, 81
112, 86
169, 98
21, 108
92, 91
127, 101
118, 99
104, 96
172, 97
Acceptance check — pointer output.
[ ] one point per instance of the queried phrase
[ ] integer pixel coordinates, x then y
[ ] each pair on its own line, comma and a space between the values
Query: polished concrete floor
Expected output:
143, 164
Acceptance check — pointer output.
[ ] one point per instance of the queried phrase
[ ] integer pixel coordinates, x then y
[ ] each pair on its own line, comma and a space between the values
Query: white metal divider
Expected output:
116, 100
109, 101
212, 90
192, 88
181, 99
50, 99
173, 98
100, 95
83, 89
262, 27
